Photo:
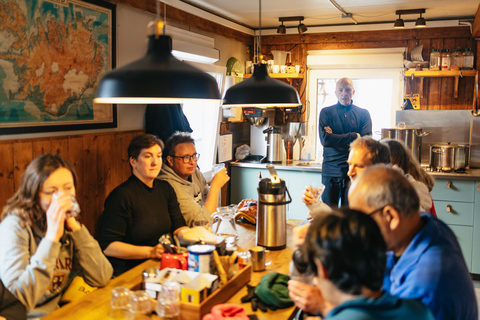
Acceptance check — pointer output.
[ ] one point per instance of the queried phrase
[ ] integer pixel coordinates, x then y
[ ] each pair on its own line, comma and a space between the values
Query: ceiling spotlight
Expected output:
399, 23
281, 29
420, 22
302, 28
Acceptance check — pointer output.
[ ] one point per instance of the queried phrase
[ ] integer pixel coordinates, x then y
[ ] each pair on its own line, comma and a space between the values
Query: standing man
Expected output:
338, 126
195, 198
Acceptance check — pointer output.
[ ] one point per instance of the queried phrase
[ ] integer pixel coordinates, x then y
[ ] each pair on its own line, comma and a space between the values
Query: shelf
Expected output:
279, 75
440, 74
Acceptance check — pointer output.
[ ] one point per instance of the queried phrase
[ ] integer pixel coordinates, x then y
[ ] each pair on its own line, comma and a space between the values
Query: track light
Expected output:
399, 23
420, 21
302, 28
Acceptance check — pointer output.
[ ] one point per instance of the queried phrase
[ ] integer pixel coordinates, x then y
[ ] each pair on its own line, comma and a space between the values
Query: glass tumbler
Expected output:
120, 304
140, 302
168, 305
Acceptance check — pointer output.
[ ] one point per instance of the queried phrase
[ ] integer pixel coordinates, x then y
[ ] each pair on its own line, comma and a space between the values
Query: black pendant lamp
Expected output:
260, 90
157, 78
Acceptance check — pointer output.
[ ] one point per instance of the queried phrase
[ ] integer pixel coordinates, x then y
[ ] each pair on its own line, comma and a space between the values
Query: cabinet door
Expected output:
465, 238
244, 183
296, 183
476, 231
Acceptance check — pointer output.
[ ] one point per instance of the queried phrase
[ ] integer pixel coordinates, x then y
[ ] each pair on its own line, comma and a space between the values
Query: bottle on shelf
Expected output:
468, 59
457, 59
446, 60
434, 63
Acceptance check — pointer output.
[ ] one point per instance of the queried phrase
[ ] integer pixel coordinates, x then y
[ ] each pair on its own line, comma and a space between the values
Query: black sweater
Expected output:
345, 122
137, 214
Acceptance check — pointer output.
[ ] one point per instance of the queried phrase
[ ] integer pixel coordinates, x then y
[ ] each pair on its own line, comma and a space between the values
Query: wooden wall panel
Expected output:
6, 172
100, 161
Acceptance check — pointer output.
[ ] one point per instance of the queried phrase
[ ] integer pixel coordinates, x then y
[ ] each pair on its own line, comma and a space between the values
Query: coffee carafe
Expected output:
272, 212
274, 144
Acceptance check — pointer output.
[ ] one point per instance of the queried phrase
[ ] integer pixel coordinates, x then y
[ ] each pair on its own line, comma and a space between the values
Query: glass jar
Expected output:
468, 59
446, 59
434, 60
457, 59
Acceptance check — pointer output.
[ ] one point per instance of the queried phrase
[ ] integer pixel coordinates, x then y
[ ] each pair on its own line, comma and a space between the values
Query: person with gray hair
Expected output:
196, 199
338, 126
424, 259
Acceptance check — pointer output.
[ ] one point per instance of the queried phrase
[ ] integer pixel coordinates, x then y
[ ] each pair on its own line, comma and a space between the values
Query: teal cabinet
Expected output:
476, 230
244, 184
455, 205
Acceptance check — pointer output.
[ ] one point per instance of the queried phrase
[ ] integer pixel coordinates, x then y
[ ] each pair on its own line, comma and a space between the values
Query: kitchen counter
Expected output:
310, 166
295, 165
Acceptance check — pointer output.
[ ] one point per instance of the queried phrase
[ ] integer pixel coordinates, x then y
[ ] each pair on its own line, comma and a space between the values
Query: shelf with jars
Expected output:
457, 74
279, 75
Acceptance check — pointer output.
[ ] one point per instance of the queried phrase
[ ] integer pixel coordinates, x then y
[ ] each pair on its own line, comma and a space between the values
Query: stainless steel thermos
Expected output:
272, 212
274, 144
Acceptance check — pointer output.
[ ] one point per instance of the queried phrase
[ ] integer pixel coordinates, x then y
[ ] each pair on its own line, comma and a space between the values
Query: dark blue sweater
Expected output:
345, 122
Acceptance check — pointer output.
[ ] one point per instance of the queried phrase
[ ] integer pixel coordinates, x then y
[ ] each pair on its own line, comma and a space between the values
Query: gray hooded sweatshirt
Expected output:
191, 193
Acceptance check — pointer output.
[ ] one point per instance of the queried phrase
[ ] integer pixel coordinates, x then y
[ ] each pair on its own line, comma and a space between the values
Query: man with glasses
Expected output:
195, 198
424, 261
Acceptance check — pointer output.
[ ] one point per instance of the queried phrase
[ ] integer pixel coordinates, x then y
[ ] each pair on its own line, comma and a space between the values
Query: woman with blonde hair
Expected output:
43, 242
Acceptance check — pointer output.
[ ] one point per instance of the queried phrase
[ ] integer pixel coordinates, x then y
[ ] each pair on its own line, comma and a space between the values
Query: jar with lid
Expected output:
446, 59
468, 59
434, 60
457, 59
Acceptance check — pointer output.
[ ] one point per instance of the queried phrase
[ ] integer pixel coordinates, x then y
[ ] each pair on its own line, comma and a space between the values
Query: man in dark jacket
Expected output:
338, 126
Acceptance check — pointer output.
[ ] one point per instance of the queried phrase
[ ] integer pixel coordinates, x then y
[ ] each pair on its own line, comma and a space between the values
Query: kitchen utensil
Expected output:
290, 134
274, 144
449, 157
411, 137
271, 213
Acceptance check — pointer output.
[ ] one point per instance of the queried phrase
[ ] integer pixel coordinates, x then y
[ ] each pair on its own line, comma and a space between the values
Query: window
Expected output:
204, 119
377, 75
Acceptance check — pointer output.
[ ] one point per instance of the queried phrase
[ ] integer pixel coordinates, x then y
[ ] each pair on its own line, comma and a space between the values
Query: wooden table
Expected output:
96, 305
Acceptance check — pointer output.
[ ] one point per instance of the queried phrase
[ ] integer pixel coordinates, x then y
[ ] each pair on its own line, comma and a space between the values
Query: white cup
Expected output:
283, 69
297, 68
276, 68
248, 67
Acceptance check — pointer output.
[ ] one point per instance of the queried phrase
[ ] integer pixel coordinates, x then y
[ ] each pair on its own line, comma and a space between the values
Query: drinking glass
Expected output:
168, 305
217, 167
140, 302
120, 304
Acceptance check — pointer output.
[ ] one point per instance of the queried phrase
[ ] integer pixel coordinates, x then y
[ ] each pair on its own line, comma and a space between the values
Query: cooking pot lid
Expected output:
402, 125
448, 145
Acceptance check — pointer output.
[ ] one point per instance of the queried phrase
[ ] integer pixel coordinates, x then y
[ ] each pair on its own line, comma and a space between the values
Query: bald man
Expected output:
424, 261
338, 126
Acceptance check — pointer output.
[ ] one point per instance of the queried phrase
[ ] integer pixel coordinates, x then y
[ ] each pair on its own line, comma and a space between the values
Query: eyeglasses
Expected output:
376, 210
186, 159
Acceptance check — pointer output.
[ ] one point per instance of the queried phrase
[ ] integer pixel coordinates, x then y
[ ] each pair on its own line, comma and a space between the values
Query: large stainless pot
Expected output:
448, 157
411, 137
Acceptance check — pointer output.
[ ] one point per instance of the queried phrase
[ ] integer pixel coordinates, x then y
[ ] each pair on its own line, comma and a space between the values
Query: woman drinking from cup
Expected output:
42, 242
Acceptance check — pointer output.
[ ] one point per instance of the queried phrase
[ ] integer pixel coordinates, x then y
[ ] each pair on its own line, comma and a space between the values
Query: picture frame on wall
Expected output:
52, 56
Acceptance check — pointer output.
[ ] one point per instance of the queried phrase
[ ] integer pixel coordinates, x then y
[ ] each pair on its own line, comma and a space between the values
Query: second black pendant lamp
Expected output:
260, 90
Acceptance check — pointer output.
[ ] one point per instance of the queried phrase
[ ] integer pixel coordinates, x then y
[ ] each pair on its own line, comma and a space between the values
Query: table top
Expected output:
96, 305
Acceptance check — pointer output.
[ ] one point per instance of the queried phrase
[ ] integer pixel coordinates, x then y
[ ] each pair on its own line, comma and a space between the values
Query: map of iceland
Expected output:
51, 57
